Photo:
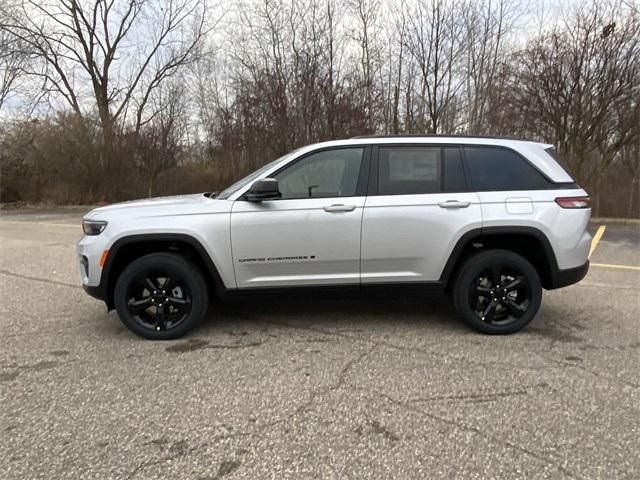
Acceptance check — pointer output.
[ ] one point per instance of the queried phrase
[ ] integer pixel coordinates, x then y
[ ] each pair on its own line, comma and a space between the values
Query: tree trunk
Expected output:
633, 194
152, 185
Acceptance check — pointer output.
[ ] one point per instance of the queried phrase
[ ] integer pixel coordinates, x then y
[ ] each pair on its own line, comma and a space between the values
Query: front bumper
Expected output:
565, 277
89, 250
96, 292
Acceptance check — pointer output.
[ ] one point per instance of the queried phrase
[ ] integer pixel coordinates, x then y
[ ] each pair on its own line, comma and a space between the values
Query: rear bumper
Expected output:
565, 277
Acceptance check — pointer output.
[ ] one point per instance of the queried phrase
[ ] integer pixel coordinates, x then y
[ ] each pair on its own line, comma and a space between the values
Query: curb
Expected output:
635, 222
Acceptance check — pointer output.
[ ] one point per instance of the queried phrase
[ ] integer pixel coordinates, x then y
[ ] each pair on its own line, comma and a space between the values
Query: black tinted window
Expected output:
408, 170
495, 169
454, 180
330, 173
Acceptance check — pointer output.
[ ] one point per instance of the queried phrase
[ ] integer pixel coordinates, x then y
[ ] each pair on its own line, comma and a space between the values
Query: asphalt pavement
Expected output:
314, 388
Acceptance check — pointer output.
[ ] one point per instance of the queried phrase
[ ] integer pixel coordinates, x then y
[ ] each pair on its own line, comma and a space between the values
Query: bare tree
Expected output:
436, 44
159, 143
121, 50
579, 87
134, 91
13, 59
487, 24
367, 20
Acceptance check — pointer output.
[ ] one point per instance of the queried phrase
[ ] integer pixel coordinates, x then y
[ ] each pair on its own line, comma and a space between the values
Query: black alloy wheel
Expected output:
501, 294
158, 301
161, 296
497, 292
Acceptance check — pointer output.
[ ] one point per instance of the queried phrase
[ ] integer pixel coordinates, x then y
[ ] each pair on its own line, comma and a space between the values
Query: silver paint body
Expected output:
347, 240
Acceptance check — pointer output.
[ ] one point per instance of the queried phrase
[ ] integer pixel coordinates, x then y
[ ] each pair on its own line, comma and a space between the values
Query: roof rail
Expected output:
436, 135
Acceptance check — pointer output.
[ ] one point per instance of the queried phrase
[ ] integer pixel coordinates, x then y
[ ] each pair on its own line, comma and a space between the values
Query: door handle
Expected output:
454, 204
339, 208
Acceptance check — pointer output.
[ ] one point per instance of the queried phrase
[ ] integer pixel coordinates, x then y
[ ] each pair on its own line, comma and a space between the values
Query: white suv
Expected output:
491, 221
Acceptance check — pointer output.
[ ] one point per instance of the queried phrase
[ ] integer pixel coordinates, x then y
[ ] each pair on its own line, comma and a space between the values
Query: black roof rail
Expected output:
436, 135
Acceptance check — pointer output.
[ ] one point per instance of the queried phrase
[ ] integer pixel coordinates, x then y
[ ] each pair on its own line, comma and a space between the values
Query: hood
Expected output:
165, 203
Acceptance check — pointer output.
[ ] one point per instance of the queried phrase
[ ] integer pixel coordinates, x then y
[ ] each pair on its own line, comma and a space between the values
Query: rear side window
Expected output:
553, 153
496, 169
409, 170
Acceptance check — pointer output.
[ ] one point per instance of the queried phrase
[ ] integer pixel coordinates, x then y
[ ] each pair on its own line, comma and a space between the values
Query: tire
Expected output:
161, 296
497, 292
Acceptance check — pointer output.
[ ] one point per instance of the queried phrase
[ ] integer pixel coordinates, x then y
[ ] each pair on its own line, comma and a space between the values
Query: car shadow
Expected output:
344, 313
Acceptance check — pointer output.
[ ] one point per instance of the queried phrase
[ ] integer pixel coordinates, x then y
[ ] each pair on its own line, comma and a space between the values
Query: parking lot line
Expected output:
52, 224
596, 238
609, 265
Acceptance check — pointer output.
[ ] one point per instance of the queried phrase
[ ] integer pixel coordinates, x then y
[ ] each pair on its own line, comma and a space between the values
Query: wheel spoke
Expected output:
180, 303
516, 283
483, 291
137, 306
513, 308
146, 282
161, 318
150, 283
168, 284
487, 314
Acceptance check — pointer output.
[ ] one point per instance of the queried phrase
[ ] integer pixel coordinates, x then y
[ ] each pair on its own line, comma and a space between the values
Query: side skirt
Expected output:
379, 290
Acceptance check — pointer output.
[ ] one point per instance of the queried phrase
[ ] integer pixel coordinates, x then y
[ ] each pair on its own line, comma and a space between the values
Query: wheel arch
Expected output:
529, 242
128, 248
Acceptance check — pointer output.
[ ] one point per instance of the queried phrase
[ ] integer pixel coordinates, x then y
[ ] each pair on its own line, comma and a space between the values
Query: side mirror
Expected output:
265, 189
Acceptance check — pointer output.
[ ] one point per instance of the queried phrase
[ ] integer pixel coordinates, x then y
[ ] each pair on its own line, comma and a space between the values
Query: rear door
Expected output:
310, 236
417, 209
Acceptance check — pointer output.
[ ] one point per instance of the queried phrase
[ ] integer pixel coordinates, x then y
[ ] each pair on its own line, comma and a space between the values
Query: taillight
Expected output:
574, 202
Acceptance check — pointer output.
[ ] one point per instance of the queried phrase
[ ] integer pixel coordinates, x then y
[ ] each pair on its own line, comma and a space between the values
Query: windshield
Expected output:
230, 190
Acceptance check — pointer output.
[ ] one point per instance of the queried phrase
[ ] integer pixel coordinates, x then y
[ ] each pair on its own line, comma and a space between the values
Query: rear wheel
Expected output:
161, 296
497, 292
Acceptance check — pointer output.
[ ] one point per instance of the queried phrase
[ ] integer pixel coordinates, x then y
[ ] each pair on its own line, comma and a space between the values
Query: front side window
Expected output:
409, 170
495, 169
330, 173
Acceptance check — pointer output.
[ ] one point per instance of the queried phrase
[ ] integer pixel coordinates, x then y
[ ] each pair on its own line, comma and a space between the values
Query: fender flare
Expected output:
478, 234
104, 290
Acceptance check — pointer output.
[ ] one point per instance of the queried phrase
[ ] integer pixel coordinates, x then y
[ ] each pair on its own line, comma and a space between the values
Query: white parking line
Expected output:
49, 224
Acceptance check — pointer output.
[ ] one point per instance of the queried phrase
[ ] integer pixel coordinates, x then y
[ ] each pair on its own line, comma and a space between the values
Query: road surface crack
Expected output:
38, 279
478, 397
462, 426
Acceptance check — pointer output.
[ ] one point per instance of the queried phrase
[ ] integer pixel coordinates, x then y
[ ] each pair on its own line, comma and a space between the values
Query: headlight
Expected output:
93, 227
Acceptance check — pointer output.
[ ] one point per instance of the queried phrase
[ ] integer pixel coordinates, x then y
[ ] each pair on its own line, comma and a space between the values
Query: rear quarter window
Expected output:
553, 153
497, 169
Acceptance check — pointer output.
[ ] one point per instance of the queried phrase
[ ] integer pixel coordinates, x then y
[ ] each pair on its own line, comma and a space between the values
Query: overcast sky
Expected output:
534, 15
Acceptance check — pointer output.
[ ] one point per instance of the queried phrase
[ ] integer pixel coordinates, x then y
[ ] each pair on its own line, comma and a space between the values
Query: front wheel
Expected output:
497, 292
161, 296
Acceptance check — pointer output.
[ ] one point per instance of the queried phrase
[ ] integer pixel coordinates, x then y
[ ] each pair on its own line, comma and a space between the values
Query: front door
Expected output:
310, 236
